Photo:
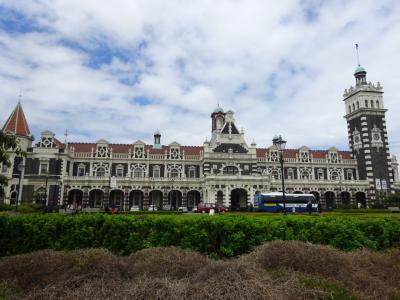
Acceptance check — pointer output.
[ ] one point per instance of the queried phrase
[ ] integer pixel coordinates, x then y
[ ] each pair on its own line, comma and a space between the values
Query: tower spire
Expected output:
360, 73
358, 56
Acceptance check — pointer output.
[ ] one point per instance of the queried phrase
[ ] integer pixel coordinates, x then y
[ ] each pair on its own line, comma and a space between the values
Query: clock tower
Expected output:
368, 137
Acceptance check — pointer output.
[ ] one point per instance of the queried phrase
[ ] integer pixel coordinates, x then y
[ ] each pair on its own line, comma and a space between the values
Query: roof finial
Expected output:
358, 57
20, 96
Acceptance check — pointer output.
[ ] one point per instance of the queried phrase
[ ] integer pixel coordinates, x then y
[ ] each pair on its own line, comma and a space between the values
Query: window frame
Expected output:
80, 167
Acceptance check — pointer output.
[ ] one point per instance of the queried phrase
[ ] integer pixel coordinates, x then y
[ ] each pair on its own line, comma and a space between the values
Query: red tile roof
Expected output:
195, 150
291, 153
16, 123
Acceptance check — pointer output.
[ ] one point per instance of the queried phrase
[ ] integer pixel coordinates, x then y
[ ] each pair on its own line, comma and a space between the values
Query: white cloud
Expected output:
281, 67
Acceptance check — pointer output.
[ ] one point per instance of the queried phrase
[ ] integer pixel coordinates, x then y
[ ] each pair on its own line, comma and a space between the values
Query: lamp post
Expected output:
45, 191
21, 167
54, 192
280, 144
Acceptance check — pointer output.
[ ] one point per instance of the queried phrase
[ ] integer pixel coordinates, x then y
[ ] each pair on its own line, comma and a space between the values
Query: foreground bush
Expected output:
218, 236
276, 270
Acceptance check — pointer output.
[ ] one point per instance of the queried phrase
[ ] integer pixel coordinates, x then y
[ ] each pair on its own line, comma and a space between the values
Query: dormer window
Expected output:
138, 149
273, 156
304, 157
174, 153
81, 170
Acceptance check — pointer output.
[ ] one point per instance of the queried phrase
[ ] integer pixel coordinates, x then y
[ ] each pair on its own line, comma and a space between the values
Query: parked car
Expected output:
221, 208
183, 209
152, 208
135, 208
203, 208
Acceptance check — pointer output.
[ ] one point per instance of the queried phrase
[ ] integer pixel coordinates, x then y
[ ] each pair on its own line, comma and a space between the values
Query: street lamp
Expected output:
280, 144
21, 167
45, 191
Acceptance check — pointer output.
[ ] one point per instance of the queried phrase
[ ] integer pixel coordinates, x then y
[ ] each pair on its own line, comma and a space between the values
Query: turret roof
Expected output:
16, 123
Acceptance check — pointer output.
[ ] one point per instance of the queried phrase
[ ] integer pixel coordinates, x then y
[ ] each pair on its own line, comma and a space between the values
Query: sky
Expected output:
120, 70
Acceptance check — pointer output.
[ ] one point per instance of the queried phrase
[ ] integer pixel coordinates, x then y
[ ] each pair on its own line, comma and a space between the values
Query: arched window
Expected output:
192, 172
358, 105
366, 103
100, 172
349, 108
275, 175
372, 103
305, 175
321, 174
354, 107
377, 104
230, 170
174, 173
335, 176
138, 173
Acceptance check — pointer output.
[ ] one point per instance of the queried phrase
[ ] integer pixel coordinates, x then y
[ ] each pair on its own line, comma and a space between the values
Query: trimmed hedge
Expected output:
218, 236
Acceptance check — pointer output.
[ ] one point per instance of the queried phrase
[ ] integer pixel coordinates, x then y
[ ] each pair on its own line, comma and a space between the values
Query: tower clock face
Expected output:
376, 136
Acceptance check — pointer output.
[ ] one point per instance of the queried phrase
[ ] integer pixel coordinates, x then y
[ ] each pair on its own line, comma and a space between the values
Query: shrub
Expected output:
218, 236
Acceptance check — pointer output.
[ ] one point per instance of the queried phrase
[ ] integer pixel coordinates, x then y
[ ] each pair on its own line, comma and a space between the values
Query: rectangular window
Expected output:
81, 171
120, 172
156, 172
44, 168
4, 168
192, 173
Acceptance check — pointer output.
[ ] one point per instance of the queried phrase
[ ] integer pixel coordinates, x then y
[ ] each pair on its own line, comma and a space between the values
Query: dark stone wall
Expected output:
360, 154
378, 158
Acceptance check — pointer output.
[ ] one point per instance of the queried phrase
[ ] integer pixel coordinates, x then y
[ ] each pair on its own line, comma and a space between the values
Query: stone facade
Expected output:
223, 170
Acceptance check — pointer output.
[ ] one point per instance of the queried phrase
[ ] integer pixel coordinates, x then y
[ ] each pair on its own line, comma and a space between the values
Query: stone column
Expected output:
65, 195
146, 198
85, 197
106, 200
126, 199
165, 196
184, 197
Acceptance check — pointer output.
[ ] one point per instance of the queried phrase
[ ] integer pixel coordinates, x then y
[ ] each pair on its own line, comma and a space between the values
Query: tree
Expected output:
8, 143
393, 200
